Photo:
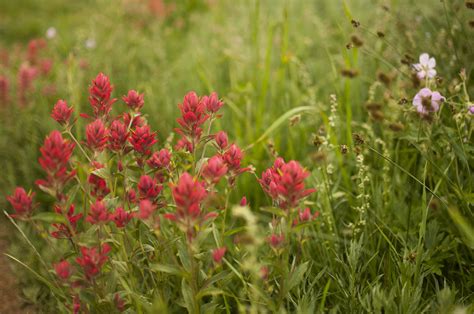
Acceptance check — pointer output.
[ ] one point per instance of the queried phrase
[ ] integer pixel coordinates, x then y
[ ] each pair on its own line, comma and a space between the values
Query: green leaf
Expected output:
296, 276
169, 269
50, 218
188, 296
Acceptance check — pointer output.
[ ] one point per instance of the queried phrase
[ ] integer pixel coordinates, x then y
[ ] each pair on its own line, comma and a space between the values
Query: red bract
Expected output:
98, 213
119, 303
142, 140
61, 112
99, 95
284, 182
46, 66
212, 102
193, 115
66, 230
306, 215
214, 170
134, 100
148, 188
184, 144
4, 87
146, 209
118, 135
120, 217
26, 75
221, 140
21, 202
63, 270
132, 122
55, 155
98, 186
233, 158
96, 135
243, 201
218, 254
92, 259
275, 240
131, 196
160, 160
33, 48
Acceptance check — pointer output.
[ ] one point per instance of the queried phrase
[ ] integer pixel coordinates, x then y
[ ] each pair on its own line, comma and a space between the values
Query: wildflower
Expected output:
76, 304
193, 115
92, 259
117, 136
98, 213
142, 140
212, 103
148, 188
264, 272
46, 66
90, 43
243, 201
275, 240
306, 215
66, 230
471, 109
55, 155
33, 48
26, 75
134, 100
221, 140
119, 303
232, 158
120, 217
214, 170
284, 183
184, 144
96, 135
426, 67
21, 202
218, 254
98, 186
51, 33
427, 101
146, 209
160, 159
99, 95
63, 270
4, 87
131, 196
61, 112
132, 121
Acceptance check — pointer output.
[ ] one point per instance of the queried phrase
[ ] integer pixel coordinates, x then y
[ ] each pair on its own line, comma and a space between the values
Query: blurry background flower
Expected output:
90, 43
51, 33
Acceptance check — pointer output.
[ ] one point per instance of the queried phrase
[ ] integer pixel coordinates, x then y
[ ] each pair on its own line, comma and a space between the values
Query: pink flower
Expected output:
120, 217
427, 101
243, 201
117, 136
221, 140
92, 259
193, 115
142, 140
160, 160
426, 67
218, 254
233, 157
98, 213
131, 196
214, 170
148, 188
61, 112
134, 100
96, 135
275, 240
212, 103
146, 209
63, 269
66, 230
99, 95
21, 202
471, 109
98, 186
26, 75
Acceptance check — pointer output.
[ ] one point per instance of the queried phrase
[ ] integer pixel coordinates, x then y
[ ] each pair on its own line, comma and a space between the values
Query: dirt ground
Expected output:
10, 300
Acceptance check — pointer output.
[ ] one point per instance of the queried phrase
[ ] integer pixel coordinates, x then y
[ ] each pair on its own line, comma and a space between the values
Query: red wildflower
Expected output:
132, 122
26, 75
76, 304
33, 48
98, 186
96, 135
212, 103
63, 269
66, 230
61, 112
214, 170
120, 217
118, 135
92, 259
142, 140
119, 303
160, 160
146, 209
148, 188
134, 100
276, 240
98, 213
131, 196
4, 87
193, 115
21, 202
284, 182
46, 66
243, 201
184, 144
233, 158
218, 254
99, 95
306, 215
221, 140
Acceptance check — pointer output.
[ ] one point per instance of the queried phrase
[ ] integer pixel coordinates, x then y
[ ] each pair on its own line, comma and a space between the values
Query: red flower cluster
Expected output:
92, 259
148, 188
69, 229
98, 213
118, 135
63, 269
55, 155
284, 183
99, 96
96, 135
214, 170
143, 139
134, 100
21, 202
61, 112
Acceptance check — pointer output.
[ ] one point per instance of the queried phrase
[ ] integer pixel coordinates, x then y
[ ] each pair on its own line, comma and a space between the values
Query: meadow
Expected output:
253, 156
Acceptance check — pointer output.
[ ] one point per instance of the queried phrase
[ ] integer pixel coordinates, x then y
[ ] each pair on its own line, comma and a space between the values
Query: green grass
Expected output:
395, 229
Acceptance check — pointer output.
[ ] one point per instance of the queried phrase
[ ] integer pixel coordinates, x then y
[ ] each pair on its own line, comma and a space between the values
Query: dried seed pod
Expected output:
355, 23
357, 41
396, 126
350, 73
